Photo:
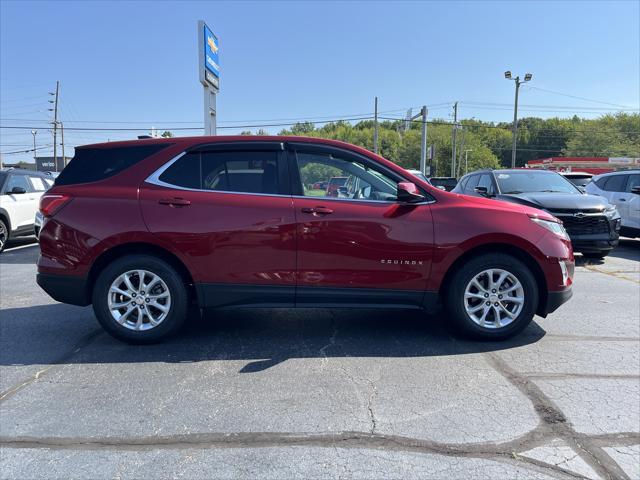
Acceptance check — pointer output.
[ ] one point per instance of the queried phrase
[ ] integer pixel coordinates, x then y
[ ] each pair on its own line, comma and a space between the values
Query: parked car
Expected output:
422, 176
449, 183
140, 229
320, 185
20, 192
335, 183
592, 223
622, 189
579, 179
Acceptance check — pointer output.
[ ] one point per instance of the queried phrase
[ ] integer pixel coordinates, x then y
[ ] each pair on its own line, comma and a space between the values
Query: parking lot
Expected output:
323, 393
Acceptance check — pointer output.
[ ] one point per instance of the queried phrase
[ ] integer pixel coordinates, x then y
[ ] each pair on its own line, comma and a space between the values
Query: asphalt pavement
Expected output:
322, 393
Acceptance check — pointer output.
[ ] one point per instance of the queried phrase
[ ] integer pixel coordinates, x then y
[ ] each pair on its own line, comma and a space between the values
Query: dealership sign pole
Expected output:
209, 67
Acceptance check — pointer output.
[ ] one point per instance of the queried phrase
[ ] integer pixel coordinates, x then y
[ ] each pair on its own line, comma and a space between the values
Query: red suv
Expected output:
140, 229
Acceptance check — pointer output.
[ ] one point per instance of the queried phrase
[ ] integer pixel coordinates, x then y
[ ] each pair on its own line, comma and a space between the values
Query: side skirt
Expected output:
257, 296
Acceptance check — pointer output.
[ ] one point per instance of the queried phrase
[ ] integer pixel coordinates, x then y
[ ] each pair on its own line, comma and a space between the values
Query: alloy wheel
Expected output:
139, 300
494, 298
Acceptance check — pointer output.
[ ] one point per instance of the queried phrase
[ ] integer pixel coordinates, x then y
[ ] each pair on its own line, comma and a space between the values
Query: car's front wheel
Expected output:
492, 296
140, 299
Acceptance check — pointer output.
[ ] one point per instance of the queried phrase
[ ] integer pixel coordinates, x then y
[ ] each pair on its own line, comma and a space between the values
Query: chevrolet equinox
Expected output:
140, 229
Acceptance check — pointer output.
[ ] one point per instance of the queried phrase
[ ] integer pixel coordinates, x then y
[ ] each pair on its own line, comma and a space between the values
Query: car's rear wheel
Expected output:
4, 234
140, 299
493, 296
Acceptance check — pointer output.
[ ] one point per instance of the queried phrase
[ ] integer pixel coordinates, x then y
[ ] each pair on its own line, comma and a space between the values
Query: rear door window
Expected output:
614, 183
93, 164
236, 171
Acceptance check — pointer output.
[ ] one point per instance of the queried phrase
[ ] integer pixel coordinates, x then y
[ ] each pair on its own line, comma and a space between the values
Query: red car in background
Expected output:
141, 229
333, 188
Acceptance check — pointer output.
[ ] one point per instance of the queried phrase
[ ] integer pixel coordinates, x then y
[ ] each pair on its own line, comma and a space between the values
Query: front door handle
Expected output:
317, 210
175, 202
622, 199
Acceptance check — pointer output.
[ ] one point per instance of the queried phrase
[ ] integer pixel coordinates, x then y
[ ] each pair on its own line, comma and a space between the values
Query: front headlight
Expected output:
553, 227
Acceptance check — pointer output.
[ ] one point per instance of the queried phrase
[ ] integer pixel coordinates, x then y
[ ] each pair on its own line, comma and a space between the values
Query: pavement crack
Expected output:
554, 422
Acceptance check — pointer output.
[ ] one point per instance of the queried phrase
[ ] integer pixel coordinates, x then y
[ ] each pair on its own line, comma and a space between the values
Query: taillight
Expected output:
50, 204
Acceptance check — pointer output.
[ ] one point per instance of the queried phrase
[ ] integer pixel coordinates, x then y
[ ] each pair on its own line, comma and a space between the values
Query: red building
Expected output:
595, 165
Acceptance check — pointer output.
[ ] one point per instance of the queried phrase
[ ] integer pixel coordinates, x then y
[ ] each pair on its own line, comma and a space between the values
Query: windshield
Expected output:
523, 182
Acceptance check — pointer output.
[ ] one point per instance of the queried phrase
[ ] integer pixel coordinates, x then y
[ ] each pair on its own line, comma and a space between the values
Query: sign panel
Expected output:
208, 56
211, 48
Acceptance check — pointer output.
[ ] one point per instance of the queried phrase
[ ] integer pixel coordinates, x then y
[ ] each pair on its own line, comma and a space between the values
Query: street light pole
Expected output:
527, 77
466, 160
34, 133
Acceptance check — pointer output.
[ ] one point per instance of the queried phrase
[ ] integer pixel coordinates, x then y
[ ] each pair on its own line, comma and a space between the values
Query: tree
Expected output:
167, 134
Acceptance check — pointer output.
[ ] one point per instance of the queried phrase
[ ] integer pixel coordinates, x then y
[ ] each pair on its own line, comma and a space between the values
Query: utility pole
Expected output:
527, 77
55, 124
453, 139
423, 144
375, 126
34, 133
64, 159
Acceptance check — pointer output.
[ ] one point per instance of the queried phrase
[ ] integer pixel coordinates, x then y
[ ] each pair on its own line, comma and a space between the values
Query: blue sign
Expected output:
211, 50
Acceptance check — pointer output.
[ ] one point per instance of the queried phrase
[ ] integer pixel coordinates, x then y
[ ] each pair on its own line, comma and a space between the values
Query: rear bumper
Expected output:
555, 299
65, 289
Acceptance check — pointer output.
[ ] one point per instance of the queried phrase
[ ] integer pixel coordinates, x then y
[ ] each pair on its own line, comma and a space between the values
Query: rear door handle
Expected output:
317, 210
622, 199
175, 202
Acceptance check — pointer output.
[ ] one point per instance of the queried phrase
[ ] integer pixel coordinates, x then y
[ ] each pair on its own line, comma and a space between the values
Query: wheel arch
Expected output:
140, 248
508, 249
4, 215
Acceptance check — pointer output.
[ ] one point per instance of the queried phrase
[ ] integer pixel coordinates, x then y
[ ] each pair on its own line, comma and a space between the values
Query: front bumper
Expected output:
593, 233
65, 288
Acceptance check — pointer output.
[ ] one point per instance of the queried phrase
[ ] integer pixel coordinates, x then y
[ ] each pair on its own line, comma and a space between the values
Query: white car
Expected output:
623, 190
20, 192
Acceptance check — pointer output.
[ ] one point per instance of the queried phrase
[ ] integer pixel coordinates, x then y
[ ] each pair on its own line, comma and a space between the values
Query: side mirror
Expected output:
17, 190
636, 189
484, 191
409, 193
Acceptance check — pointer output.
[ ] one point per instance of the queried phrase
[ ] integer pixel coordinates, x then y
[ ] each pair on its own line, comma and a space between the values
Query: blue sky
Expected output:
137, 62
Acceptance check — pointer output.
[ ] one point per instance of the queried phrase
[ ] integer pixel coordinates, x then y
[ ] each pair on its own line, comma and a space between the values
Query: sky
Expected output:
135, 64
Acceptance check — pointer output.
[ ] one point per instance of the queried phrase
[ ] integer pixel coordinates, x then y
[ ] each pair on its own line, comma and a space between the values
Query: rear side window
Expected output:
614, 183
243, 172
94, 164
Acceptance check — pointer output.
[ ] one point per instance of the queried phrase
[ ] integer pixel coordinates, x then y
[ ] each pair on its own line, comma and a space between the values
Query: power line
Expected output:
575, 96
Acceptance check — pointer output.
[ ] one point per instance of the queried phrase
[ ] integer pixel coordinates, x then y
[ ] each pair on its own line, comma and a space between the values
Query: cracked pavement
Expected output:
323, 393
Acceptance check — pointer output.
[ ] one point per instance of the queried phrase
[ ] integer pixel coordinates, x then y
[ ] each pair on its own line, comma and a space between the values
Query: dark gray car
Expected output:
593, 224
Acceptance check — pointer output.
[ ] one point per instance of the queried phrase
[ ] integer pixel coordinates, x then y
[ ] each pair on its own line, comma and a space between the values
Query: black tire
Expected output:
175, 283
4, 234
596, 255
454, 297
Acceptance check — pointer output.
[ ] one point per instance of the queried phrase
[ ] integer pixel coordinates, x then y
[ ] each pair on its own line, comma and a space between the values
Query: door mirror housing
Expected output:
17, 190
409, 193
636, 190
484, 191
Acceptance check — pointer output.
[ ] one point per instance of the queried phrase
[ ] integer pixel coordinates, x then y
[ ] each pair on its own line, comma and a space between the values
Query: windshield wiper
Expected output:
514, 192
553, 191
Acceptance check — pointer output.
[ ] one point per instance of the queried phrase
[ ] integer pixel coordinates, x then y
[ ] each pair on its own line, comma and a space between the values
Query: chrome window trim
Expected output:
154, 179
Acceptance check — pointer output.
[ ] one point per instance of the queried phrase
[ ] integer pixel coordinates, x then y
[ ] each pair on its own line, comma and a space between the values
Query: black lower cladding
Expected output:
555, 299
65, 288
237, 295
